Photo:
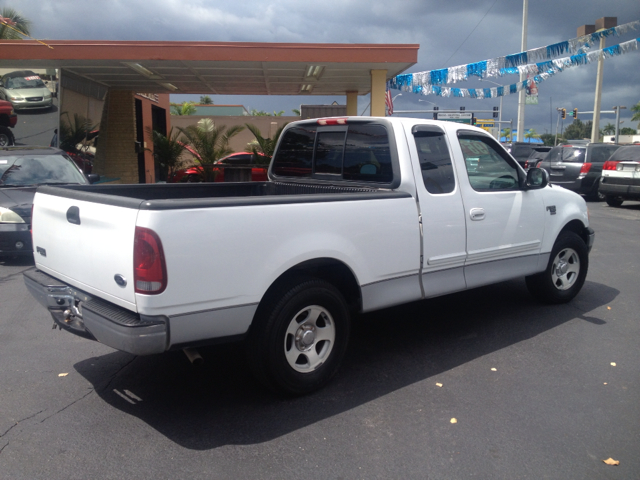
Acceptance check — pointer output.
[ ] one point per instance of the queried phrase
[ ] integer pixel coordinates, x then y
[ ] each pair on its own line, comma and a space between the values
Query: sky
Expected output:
450, 33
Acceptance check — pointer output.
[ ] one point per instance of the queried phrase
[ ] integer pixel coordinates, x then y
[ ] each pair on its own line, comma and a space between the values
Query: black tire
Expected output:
6, 137
613, 201
283, 347
565, 273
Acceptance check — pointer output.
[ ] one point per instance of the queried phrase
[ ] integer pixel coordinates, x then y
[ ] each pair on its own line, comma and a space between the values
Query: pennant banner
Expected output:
421, 83
517, 63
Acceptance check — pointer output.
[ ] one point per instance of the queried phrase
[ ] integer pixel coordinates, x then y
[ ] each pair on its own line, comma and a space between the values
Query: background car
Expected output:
578, 167
195, 173
22, 170
8, 120
25, 90
621, 176
521, 150
536, 156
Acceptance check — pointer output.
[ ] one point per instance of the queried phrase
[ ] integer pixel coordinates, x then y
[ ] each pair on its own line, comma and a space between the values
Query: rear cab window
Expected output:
359, 152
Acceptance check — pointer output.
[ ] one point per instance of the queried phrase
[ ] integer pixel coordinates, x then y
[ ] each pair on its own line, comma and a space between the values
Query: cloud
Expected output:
449, 33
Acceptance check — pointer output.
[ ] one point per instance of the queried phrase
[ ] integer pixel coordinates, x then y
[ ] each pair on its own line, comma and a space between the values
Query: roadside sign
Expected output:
454, 116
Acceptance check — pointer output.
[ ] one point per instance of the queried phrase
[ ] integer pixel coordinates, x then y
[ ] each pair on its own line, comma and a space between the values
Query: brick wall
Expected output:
116, 156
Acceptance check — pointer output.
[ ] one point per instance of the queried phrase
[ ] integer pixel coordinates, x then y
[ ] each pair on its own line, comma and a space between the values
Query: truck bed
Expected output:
205, 195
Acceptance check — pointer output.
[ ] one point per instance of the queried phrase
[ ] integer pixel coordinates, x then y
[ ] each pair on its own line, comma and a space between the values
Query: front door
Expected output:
505, 222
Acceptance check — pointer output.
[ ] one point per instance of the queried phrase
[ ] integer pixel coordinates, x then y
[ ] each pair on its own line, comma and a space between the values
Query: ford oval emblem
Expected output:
120, 280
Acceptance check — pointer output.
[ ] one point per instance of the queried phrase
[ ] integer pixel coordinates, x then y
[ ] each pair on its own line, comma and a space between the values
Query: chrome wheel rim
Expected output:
565, 269
309, 339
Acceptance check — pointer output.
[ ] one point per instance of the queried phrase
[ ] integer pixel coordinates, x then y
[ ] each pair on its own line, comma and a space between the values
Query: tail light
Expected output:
331, 121
149, 266
584, 170
610, 165
526, 164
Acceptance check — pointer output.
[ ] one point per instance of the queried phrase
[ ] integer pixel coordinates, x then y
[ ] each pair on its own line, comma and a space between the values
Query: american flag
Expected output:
388, 102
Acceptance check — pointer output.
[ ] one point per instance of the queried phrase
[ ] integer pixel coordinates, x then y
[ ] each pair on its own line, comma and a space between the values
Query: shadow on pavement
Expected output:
17, 261
219, 403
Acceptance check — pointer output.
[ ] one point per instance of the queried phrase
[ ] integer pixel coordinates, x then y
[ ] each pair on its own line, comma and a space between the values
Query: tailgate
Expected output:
86, 244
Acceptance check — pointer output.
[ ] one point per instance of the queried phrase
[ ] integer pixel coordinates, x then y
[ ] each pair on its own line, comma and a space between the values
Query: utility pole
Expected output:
522, 94
601, 24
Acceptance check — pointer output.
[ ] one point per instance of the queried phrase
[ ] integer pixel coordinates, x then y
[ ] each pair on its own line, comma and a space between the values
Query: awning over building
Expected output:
217, 67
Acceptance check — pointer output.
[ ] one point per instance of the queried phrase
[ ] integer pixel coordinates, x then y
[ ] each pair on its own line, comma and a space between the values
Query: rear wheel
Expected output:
613, 201
299, 336
565, 273
6, 137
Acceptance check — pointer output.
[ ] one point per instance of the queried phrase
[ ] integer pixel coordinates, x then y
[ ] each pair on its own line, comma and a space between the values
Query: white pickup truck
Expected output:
358, 214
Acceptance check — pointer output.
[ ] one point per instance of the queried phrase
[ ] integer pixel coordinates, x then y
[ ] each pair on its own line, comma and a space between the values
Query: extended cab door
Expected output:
505, 222
441, 210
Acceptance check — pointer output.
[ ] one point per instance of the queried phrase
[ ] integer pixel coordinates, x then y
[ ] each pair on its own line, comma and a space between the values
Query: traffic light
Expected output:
575, 113
435, 113
462, 109
473, 120
495, 112
564, 113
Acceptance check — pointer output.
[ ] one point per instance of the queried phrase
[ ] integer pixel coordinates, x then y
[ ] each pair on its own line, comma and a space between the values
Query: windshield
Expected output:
25, 170
566, 154
33, 81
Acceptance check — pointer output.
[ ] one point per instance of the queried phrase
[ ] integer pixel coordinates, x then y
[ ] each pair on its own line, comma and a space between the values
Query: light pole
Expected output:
522, 94
617, 109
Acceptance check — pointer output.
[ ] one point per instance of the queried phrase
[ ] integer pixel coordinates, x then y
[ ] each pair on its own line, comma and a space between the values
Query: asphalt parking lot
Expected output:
536, 391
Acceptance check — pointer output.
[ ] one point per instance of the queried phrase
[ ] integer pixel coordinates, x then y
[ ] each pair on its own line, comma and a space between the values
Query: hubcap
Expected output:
565, 269
309, 339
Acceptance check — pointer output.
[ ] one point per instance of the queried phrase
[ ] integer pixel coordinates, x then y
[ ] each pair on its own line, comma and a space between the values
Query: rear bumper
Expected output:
15, 239
627, 188
89, 317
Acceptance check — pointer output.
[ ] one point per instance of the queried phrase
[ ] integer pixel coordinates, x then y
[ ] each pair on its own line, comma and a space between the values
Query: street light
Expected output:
618, 122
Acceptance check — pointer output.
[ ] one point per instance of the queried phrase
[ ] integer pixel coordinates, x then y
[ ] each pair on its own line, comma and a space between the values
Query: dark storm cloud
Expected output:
449, 33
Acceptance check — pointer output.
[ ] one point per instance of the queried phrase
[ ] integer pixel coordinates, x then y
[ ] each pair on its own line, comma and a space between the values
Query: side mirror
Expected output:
537, 178
93, 177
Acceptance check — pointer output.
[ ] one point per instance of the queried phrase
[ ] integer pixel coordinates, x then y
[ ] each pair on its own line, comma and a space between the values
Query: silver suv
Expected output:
578, 167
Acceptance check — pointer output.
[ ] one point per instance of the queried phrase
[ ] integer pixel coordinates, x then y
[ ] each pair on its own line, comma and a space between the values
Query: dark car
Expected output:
521, 150
536, 156
22, 170
578, 167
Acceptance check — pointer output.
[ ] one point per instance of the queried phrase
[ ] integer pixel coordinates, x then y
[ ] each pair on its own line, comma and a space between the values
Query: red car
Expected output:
8, 120
195, 173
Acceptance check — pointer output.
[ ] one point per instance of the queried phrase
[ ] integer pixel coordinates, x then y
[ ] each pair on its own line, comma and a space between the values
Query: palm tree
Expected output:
210, 143
296, 111
167, 149
205, 100
74, 132
15, 20
184, 108
636, 115
609, 129
531, 133
263, 148
506, 133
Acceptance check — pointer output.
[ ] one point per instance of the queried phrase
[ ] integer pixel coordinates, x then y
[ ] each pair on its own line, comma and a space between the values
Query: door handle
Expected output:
477, 214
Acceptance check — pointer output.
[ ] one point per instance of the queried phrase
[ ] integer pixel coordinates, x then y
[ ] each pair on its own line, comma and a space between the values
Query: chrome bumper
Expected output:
90, 317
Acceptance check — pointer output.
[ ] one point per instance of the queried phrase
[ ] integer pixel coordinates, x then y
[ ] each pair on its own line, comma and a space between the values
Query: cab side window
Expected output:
435, 162
488, 167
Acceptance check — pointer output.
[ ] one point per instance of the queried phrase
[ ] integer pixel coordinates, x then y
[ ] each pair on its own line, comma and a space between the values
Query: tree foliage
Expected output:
548, 139
17, 21
210, 143
263, 148
262, 113
636, 113
609, 129
205, 100
184, 108
167, 150
74, 131
578, 130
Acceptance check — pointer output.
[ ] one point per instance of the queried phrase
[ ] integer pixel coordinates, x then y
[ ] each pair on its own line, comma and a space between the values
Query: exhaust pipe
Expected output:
193, 356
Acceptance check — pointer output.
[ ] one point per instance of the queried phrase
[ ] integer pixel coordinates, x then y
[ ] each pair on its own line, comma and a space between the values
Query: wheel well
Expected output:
329, 270
4, 121
577, 227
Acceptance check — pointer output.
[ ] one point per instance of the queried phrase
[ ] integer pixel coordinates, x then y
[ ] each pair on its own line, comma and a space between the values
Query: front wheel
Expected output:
6, 137
613, 201
565, 273
299, 336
